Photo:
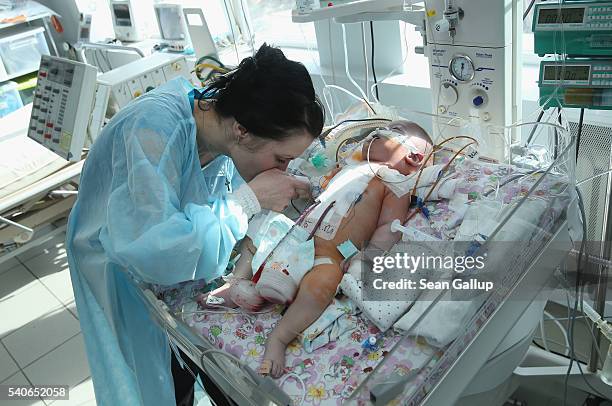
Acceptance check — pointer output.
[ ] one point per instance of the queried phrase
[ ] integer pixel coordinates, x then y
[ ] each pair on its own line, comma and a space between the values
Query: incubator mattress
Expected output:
332, 372
23, 162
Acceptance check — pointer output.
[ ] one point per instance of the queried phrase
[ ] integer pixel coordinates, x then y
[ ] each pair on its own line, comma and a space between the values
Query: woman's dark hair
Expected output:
269, 95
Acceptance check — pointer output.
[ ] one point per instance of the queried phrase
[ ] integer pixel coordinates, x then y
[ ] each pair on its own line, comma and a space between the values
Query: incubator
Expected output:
449, 341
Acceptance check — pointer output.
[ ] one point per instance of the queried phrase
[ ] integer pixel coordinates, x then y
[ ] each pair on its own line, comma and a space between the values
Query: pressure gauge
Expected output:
462, 68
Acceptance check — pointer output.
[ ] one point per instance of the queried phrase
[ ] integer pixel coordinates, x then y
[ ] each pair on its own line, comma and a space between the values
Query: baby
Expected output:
368, 220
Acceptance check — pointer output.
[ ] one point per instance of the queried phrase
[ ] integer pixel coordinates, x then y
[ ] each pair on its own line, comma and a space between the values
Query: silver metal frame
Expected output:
38, 190
253, 390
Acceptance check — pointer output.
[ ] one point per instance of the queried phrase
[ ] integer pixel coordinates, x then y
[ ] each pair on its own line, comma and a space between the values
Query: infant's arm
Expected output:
243, 266
392, 208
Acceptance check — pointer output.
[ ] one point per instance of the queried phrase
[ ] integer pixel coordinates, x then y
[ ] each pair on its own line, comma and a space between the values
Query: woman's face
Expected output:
253, 155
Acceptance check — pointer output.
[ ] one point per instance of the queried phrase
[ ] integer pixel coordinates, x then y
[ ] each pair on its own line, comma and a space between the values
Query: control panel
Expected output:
118, 87
580, 83
471, 83
575, 28
474, 66
62, 104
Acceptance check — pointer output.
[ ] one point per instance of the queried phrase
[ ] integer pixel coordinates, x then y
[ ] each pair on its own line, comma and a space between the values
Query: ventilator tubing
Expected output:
606, 371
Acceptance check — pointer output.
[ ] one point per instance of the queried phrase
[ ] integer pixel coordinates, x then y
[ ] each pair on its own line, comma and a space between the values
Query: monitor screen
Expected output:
569, 72
567, 15
122, 15
84, 34
169, 20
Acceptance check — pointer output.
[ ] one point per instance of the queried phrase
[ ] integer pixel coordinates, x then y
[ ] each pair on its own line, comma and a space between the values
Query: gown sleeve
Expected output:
148, 230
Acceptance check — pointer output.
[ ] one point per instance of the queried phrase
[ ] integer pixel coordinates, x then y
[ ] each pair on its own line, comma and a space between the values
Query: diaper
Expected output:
293, 257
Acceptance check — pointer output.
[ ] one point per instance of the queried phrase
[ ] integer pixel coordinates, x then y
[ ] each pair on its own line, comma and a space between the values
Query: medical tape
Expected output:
401, 184
347, 249
214, 300
400, 138
344, 189
297, 223
323, 261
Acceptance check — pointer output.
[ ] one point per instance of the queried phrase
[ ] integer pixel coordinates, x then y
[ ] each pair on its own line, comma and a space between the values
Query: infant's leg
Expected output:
316, 292
222, 292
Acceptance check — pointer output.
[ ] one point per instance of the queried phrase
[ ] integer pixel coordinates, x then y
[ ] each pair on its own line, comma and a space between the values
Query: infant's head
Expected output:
404, 147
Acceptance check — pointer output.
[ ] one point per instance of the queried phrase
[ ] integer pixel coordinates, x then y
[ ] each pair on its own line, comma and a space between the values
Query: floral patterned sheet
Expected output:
480, 180
332, 373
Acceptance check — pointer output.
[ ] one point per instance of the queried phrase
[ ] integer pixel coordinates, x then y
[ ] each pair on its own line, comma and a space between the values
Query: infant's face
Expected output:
396, 155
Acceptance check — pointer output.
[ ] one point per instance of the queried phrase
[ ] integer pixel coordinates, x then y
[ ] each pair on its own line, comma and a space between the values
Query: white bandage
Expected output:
214, 300
323, 261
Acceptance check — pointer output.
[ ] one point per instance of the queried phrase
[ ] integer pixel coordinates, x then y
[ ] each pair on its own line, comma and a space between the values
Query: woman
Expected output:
163, 199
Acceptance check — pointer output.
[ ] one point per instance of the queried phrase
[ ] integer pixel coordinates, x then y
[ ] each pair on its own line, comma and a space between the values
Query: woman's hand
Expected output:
275, 189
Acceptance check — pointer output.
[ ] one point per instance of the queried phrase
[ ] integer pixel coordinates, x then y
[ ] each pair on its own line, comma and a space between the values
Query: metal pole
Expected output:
600, 304
50, 34
602, 279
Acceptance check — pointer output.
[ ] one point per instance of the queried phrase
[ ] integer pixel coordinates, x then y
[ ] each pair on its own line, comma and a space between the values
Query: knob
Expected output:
448, 94
479, 99
442, 25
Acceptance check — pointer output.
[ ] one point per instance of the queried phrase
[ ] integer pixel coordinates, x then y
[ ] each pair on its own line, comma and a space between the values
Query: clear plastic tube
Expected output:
297, 378
373, 87
559, 325
346, 65
593, 177
365, 57
328, 103
344, 90
606, 370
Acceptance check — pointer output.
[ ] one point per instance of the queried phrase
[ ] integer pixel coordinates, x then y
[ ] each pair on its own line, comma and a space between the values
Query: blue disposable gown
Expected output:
146, 211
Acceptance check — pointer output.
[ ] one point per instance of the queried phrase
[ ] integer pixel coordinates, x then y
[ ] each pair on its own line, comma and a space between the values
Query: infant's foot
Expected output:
216, 298
274, 358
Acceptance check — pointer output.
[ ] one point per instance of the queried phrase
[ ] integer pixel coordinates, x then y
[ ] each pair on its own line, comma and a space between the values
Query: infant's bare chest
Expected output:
361, 220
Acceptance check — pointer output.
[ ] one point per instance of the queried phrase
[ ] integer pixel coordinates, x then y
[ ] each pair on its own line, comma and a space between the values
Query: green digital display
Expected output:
565, 15
568, 72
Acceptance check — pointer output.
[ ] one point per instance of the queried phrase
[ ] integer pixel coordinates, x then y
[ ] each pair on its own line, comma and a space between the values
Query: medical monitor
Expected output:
133, 20
121, 12
171, 22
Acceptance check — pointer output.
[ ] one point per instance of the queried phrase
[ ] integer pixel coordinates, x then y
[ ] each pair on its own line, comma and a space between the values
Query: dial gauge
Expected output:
462, 68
